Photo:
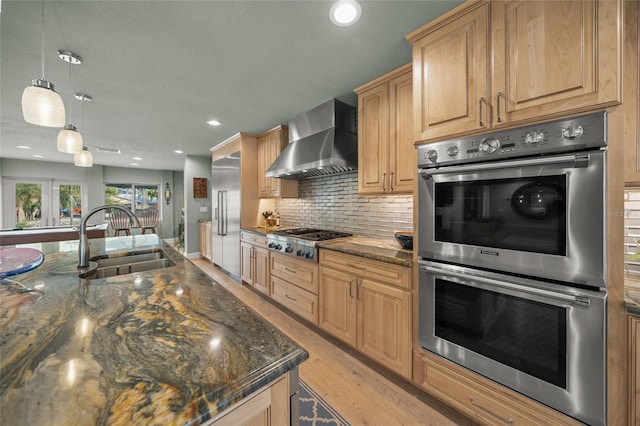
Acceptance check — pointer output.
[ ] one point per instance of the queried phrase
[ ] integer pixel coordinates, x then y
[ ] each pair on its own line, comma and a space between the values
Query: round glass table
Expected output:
15, 261
18, 260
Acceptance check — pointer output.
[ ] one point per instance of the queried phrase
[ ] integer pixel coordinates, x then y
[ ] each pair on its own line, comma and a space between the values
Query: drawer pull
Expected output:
290, 298
508, 420
357, 266
290, 270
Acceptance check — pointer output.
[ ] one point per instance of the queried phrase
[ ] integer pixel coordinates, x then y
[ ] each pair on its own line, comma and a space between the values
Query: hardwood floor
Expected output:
362, 391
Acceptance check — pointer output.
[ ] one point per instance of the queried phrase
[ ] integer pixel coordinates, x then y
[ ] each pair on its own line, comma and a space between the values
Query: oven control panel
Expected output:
293, 247
564, 135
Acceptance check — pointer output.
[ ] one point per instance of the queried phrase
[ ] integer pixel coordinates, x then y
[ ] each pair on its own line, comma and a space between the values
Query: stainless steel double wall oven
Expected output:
512, 259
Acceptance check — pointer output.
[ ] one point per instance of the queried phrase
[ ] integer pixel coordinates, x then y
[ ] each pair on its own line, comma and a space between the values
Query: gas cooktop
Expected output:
301, 242
312, 234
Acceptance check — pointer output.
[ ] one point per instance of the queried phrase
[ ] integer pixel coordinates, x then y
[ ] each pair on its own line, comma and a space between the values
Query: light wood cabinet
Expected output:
254, 262
295, 285
359, 306
634, 370
493, 63
386, 155
268, 406
270, 144
205, 241
479, 398
450, 75
632, 93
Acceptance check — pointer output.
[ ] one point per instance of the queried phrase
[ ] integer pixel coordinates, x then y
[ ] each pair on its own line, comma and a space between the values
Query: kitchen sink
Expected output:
123, 265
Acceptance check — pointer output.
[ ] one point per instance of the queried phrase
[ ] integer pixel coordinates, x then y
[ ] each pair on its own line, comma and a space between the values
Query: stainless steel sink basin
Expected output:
134, 262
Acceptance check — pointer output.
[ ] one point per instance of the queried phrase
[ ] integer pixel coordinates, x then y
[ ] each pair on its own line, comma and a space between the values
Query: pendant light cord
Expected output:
43, 77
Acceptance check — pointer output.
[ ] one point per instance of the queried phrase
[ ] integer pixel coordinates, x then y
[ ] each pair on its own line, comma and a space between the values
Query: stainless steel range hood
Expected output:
323, 141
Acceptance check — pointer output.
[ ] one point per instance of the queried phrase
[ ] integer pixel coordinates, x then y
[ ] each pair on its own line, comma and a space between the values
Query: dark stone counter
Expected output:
372, 248
169, 346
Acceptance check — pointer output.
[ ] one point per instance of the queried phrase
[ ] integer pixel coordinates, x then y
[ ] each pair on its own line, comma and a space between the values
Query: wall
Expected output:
332, 202
95, 177
195, 167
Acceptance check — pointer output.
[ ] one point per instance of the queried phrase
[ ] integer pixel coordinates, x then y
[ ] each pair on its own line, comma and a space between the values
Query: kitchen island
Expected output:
167, 346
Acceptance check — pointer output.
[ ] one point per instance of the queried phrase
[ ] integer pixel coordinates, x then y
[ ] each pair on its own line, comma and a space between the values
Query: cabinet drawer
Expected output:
299, 272
480, 402
255, 239
383, 272
296, 299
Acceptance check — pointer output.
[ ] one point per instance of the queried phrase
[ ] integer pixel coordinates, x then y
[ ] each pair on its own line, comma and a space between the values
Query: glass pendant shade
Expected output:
42, 105
70, 140
83, 158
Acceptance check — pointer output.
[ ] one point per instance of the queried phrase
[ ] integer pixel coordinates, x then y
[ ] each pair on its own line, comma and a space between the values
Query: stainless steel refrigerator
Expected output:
225, 184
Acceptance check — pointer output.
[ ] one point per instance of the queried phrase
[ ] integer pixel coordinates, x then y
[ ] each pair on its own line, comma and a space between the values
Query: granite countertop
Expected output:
384, 250
169, 346
372, 248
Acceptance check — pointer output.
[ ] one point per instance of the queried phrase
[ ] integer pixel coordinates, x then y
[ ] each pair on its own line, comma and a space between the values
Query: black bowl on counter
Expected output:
405, 239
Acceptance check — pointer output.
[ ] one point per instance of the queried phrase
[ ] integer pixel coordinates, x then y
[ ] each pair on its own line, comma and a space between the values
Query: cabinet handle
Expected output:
290, 298
289, 270
480, 102
358, 284
391, 182
384, 177
498, 96
507, 420
356, 266
351, 288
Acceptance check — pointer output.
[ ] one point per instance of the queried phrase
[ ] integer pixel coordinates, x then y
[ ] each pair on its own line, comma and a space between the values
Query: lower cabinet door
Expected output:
338, 304
261, 270
384, 315
295, 299
246, 263
487, 404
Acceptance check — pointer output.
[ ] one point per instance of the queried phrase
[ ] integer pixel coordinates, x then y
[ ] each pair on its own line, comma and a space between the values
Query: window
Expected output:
40, 203
131, 196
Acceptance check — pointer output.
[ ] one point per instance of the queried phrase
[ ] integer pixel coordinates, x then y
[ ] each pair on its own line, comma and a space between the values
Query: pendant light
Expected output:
69, 139
83, 158
41, 104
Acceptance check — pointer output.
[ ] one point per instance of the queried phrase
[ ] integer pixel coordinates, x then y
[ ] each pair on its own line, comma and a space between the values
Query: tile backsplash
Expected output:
631, 229
332, 202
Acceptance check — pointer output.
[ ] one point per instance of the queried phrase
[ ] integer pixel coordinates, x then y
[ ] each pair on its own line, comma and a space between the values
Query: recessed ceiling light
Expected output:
38, 156
137, 158
23, 147
213, 123
177, 151
345, 13
134, 164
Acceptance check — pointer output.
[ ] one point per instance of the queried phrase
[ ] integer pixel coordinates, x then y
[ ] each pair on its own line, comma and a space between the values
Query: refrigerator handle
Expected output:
224, 211
218, 213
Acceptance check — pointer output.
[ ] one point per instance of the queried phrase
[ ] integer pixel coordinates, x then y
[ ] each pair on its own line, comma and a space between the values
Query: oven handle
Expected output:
571, 299
574, 161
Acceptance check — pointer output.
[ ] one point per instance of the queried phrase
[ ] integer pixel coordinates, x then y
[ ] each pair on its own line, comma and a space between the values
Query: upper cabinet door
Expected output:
402, 153
553, 56
373, 139
450, 77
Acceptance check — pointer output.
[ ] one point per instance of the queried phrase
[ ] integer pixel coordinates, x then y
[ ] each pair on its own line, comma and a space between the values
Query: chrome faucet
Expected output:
83, 244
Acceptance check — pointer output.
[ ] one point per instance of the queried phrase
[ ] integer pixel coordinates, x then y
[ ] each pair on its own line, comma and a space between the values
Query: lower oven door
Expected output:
543, 340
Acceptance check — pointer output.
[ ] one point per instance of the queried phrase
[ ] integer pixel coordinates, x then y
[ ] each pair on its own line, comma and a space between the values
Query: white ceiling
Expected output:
158, 70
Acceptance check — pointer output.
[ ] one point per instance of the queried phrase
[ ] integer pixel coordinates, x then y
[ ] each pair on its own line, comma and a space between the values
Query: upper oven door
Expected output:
541, 216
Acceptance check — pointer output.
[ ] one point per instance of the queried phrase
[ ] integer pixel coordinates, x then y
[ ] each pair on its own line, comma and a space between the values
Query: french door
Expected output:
41, 203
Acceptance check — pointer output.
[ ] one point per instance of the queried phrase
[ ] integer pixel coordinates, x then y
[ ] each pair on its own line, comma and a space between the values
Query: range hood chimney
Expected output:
323, 141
